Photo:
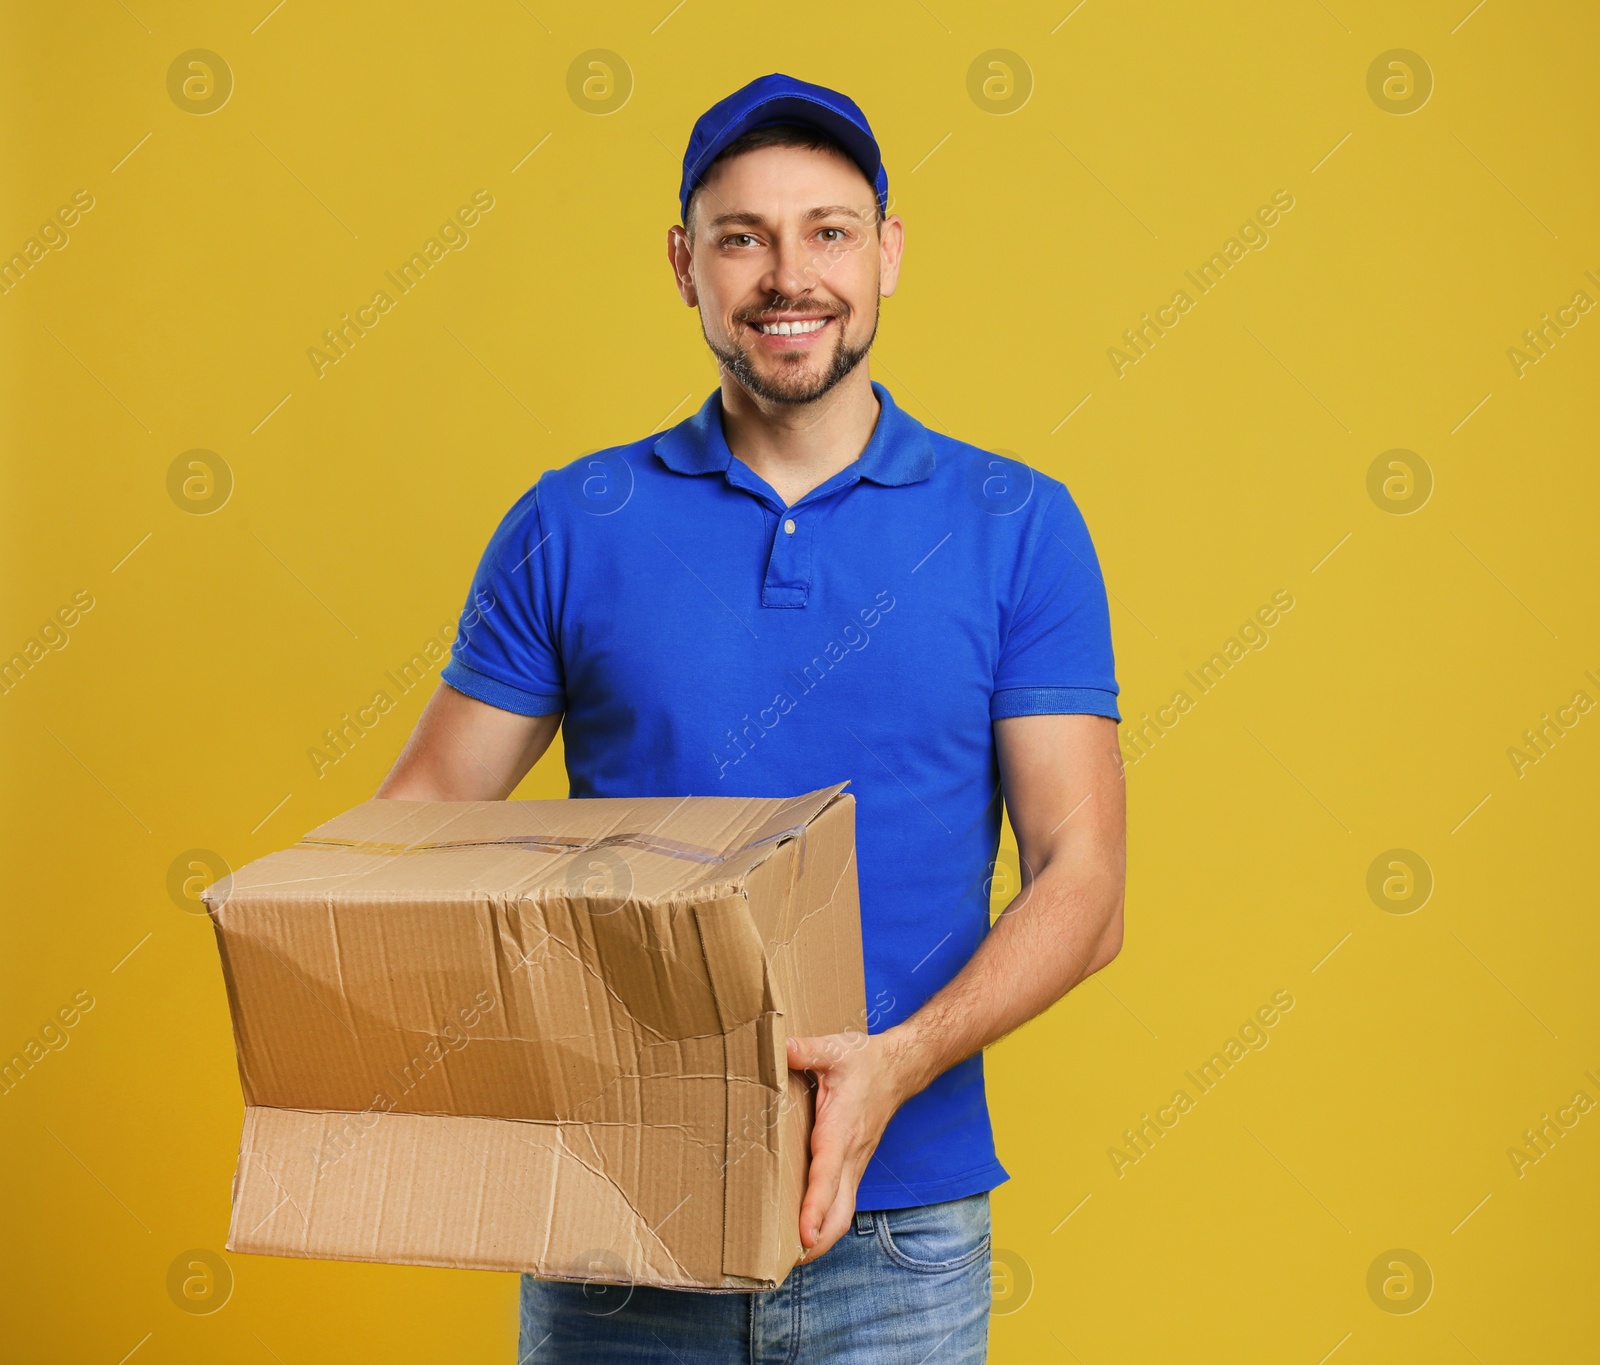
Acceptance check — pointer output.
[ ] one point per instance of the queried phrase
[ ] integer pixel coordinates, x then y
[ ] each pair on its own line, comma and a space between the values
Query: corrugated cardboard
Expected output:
540, 1036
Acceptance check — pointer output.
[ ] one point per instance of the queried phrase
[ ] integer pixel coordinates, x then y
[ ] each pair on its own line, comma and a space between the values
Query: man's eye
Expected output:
839, 234
738, 239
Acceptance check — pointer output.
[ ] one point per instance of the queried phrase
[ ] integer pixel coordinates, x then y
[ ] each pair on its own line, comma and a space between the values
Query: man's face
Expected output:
786, 268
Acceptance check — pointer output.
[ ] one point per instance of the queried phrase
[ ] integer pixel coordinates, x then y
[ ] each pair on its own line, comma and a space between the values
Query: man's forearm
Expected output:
1060, 930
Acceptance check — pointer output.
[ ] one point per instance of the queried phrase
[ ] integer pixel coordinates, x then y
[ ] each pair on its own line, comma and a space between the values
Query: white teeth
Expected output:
785, 329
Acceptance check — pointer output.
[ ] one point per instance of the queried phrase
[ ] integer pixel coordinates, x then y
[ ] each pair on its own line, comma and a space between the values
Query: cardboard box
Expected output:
542, 1036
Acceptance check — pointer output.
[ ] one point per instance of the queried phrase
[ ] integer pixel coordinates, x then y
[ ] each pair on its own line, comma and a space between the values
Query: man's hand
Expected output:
860, 1083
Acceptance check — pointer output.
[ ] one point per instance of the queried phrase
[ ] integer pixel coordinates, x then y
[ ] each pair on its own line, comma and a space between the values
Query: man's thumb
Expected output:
808, 1054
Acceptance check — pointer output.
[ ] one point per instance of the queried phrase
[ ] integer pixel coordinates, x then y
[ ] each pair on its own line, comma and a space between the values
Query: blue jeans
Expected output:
903, 1285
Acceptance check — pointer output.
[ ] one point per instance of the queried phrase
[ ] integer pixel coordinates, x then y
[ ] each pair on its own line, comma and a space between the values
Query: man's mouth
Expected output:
790, 330
795, 327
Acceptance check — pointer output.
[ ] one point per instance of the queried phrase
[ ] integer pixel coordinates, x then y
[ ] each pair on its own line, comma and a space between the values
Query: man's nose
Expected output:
794, 271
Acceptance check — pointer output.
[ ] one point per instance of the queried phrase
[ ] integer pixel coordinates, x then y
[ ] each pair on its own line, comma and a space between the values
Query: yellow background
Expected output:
1228, 464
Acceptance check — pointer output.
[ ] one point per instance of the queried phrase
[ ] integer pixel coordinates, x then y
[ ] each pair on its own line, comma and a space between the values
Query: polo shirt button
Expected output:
788, 527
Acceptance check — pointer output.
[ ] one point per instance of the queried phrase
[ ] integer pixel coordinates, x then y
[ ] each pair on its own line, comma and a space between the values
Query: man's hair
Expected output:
776, 135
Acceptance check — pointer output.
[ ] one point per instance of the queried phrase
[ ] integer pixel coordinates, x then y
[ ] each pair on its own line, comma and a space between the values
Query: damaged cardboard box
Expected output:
543, 1036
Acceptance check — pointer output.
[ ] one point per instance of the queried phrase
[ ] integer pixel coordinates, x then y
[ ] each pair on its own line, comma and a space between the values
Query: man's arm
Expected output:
1063, 784
466, 750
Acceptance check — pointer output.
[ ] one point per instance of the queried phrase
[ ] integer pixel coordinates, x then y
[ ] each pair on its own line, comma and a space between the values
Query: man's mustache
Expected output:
766, 310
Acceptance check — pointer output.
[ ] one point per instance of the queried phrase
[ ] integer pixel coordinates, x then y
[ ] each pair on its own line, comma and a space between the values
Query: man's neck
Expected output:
795, 447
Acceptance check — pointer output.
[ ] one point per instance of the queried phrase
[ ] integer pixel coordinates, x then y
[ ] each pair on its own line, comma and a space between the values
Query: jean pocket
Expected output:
936, 1237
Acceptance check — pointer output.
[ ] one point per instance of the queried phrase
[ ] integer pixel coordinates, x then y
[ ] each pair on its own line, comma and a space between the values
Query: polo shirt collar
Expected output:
898, 453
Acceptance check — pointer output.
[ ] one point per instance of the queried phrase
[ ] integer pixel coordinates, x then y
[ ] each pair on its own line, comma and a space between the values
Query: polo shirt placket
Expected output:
788, 578
787, 582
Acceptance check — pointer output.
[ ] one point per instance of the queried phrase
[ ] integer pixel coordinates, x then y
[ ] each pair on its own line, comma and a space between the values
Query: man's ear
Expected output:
680, 253
891, 247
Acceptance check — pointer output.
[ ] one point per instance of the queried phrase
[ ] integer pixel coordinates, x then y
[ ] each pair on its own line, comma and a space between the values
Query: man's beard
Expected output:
794, 383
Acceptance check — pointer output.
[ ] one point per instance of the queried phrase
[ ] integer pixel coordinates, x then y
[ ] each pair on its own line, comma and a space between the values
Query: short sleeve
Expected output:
505, 651
1056, 656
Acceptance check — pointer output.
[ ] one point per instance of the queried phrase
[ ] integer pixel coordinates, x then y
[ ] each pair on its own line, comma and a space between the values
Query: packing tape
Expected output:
553, 843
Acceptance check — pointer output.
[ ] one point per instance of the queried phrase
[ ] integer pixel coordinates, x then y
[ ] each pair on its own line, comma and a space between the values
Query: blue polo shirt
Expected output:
705, 639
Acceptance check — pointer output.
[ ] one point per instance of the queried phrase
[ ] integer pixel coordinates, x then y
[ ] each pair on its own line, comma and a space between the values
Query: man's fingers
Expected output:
822, 1187
830, 1198
829, 1147
836, 1223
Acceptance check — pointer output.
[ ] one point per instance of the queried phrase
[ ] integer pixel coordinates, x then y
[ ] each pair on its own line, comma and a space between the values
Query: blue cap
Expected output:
782, 99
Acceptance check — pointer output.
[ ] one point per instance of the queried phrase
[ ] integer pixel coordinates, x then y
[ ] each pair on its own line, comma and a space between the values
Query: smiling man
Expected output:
802, 584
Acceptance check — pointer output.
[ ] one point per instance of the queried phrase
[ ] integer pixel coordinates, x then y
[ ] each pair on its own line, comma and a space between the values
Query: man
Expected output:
798, 585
